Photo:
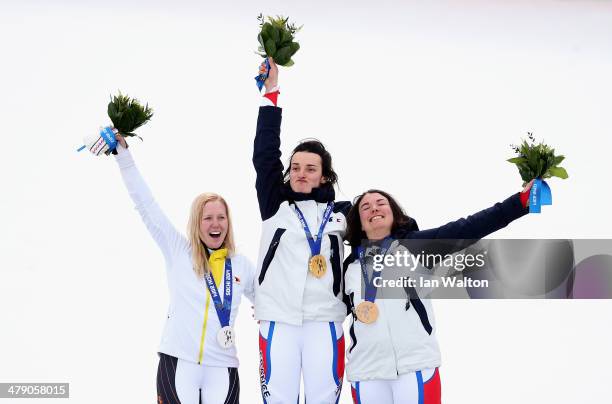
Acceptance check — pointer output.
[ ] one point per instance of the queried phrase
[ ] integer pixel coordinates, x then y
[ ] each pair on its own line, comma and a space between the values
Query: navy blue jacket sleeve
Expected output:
267, 161
460, 234
479, 224
475, 226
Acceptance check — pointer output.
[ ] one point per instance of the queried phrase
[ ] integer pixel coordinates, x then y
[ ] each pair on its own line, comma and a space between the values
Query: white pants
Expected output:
315, 349
421, 387
183, 382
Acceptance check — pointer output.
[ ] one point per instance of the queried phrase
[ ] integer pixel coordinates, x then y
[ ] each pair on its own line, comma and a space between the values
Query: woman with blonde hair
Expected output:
206, 279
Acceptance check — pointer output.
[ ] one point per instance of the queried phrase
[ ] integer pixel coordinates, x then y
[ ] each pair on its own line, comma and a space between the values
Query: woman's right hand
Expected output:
272, 80
120, 139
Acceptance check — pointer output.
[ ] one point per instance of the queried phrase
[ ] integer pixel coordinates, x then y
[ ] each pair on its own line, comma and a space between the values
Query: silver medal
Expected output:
225, 337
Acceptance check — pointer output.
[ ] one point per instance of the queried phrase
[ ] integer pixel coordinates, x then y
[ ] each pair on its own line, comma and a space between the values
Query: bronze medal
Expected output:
317, 266
367, 312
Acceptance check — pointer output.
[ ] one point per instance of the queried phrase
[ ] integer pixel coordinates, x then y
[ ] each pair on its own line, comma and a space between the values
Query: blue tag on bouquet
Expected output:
109, 137
262, 76
545, 195
539, 195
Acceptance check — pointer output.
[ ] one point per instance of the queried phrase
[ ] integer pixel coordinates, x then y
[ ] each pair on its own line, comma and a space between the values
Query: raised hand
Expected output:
272, 80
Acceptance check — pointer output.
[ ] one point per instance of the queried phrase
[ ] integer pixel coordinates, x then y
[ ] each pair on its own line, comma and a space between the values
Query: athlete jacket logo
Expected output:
237, 280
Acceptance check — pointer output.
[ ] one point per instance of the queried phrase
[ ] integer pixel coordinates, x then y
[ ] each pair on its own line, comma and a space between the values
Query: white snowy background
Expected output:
418, 98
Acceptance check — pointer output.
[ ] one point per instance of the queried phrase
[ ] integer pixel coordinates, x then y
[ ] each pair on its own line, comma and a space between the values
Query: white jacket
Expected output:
397, 342
285, 290
185, 335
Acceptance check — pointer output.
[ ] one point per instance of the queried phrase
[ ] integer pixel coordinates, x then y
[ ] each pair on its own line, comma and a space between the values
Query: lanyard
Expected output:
370, 291
223, 308
315, 245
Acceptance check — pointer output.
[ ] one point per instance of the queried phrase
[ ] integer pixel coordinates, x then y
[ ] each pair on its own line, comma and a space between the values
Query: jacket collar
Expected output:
321, 194
218, 254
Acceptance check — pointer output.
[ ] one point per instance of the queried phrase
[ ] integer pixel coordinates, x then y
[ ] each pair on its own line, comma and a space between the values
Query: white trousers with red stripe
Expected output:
314, 350
421, 387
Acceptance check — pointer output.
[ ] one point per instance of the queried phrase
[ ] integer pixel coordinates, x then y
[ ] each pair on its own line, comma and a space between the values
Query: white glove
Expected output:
97, 145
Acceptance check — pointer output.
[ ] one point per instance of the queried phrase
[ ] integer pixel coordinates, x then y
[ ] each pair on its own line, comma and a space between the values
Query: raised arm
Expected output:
479, 224
266, 149
466, 231
161, 229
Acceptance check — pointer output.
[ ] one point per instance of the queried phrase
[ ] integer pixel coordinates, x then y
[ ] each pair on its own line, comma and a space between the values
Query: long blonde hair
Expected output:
199, 251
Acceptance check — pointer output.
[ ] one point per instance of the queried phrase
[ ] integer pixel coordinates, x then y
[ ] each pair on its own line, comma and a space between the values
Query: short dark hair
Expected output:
316, 147
355, 235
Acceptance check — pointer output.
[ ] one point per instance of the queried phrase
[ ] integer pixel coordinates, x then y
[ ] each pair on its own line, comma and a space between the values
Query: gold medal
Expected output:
317, 266
367, 312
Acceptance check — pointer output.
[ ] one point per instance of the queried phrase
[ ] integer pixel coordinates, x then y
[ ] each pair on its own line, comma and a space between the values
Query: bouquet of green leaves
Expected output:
276, 39
127, 114
537, 161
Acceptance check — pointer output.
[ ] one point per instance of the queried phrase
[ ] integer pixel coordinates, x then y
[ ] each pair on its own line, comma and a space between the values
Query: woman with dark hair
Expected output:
394, 355
298, 288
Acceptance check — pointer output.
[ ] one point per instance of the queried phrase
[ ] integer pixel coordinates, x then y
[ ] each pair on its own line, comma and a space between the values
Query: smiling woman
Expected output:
206, 278
209, 228
394, 354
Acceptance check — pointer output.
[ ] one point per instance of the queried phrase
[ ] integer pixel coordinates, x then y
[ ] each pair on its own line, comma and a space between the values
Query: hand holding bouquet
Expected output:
127, 115
276, 40
537, 162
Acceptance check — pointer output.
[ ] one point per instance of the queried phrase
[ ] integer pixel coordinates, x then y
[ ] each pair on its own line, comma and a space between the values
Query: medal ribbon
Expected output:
539, 195
109, 138
261, 77
223, 308
370, 292
315, 245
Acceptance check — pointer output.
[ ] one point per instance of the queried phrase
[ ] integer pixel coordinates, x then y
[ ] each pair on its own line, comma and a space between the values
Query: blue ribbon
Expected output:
315, 245
261, 78
539, 195
370, 291
109, 137
223, 308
